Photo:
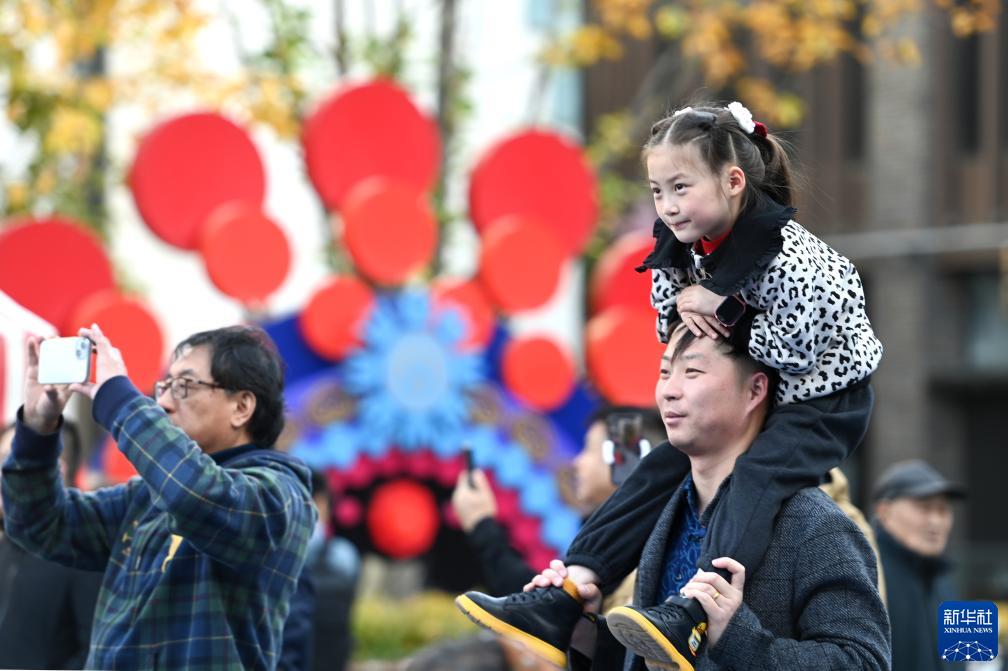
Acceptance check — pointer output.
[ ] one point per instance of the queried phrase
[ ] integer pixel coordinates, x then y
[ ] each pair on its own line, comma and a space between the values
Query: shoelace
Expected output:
522, 597
668, 612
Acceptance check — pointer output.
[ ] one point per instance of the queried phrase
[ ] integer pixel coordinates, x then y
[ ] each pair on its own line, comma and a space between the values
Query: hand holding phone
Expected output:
65, 360
108, 361
43, 402
626, 445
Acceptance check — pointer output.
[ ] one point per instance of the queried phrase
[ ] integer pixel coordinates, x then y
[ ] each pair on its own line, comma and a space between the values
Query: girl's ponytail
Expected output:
776, 181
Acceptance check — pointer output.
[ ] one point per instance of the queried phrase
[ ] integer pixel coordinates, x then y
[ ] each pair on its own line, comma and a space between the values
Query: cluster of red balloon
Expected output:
213, 205
621, 349
355, 144
531, 225
58, 269
372, 156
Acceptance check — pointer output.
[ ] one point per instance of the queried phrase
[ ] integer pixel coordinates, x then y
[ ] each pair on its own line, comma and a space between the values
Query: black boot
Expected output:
674, 631
543, 620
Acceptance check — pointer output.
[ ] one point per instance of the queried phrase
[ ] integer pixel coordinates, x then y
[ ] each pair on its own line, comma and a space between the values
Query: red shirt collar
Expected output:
708, 246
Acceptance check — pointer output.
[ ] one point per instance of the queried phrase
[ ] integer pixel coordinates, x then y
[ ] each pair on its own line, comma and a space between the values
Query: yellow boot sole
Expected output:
540, 648
641, 637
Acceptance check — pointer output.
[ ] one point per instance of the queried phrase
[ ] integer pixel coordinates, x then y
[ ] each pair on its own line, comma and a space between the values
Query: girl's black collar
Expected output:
753, 242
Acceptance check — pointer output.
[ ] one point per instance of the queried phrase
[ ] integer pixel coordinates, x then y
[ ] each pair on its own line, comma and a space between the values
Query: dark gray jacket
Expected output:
811, 604
917, 586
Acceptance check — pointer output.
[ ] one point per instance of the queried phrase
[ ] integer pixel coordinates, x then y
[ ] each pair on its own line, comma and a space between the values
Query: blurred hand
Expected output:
43, 404
108, 362
473, 504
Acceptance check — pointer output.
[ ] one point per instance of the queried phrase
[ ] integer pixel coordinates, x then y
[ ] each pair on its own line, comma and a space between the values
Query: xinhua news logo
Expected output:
967, 631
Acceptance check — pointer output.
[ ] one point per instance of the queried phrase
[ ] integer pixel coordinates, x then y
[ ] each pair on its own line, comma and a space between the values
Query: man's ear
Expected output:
759, 388
245, 405
882, 511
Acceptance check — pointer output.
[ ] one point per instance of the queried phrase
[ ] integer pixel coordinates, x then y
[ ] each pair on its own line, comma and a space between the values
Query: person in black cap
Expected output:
913, 518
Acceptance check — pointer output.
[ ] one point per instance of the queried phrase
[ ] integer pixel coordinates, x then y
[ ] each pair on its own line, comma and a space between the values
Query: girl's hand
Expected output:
554, 576
703, 325
695, 298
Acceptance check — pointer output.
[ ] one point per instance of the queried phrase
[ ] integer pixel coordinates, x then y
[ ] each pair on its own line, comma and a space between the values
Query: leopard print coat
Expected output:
810, 321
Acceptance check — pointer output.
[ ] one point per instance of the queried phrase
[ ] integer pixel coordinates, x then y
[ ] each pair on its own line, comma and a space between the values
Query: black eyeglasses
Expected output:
180, 386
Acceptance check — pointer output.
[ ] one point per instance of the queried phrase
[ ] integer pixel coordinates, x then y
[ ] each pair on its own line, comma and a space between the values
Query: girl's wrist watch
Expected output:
730, 311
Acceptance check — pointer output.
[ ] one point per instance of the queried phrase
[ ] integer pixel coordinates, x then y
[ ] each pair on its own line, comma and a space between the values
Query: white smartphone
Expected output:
65, 360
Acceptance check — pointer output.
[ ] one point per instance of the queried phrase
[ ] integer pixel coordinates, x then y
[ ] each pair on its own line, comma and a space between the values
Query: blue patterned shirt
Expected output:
681, 557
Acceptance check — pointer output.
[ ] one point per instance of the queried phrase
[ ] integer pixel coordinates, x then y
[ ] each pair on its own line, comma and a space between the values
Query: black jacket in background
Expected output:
915, 586
504, 570
46, 611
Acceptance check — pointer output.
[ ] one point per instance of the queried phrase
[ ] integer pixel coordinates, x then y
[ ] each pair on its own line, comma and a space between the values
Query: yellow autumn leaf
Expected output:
16, 195
871, 26
672, 21
72, 131
962, 23
45, 182
97, 93
32, 18
907, 52
591, 44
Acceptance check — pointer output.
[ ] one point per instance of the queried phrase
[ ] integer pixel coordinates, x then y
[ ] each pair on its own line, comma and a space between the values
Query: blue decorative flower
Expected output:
410, 377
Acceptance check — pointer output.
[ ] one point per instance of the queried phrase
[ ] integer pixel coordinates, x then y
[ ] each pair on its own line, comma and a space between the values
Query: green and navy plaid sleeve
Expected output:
237, 516
61, 524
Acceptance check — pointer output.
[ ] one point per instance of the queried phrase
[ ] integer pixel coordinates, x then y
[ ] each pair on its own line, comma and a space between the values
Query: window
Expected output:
986, 341
966, 101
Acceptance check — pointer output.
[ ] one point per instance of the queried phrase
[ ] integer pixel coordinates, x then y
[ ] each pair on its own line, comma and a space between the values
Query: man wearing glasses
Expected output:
201, 554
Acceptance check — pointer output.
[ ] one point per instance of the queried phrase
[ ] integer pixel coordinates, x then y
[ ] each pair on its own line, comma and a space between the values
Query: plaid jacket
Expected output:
201, 553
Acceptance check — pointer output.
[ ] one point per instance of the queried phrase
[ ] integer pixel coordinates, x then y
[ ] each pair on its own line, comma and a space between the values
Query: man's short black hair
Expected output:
732, 348
244, 358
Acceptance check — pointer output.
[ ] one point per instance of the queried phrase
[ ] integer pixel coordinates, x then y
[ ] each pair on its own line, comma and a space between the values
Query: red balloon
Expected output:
369, 130
131, 327
389, 230
520, 263
50, 265
246, 254
186, 167
623, 355
331, 323
615, 280
403, 519
468, 297
538, 371
537, 173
